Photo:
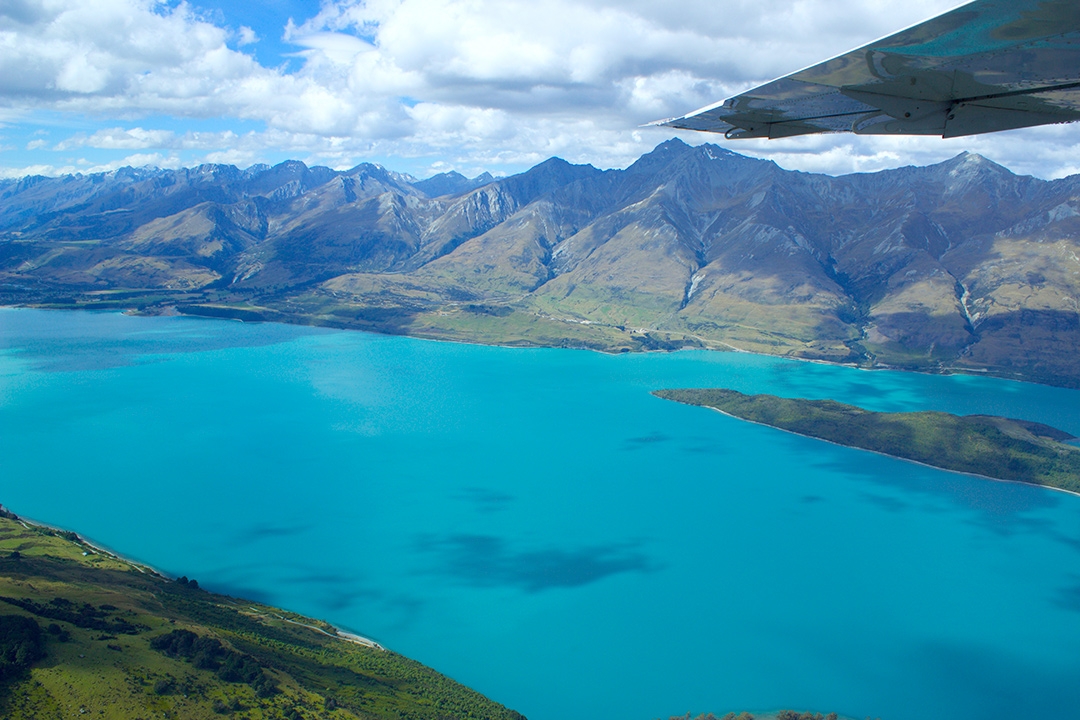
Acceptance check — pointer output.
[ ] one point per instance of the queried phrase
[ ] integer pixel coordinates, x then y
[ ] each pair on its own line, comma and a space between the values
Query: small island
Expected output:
993, 447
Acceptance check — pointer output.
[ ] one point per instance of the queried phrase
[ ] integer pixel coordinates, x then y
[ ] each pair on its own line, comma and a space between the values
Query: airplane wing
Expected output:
986, 66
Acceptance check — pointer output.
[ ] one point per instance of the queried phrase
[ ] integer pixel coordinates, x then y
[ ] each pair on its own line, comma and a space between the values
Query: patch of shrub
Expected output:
209, 654
21, 644
84, 616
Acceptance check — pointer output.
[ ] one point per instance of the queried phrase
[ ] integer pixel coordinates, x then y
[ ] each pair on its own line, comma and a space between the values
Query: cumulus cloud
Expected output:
119, 139
246, 36
473, 84
134, 160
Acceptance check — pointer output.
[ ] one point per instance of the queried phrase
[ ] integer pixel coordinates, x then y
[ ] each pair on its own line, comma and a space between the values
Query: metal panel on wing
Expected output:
986, 66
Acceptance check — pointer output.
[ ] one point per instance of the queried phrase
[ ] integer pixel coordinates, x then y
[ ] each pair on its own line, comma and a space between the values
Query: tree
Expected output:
21, 644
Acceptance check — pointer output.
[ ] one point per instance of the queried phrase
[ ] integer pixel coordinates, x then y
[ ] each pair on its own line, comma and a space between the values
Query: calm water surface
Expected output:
536, 525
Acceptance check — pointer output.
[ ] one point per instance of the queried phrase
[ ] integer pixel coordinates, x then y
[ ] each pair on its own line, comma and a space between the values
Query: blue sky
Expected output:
425, 86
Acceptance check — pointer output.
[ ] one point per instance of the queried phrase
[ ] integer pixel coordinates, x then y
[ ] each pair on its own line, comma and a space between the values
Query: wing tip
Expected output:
666, 122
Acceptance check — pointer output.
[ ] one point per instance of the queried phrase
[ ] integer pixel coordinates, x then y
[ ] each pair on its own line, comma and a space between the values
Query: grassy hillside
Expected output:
86, 634
995, 447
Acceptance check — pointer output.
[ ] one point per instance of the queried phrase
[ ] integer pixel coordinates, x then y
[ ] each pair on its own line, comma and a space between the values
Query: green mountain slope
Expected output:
86, 634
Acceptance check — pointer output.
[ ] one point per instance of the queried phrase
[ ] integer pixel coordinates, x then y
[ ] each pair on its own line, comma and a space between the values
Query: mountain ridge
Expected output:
961, 265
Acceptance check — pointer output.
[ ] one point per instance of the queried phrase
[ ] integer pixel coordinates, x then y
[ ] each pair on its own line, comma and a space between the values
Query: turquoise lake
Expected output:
536, 525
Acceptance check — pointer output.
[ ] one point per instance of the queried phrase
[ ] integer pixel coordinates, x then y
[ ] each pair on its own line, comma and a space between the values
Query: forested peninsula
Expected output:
84, 632
994, 447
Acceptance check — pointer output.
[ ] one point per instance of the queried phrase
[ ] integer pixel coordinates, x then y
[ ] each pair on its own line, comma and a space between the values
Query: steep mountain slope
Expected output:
957, 265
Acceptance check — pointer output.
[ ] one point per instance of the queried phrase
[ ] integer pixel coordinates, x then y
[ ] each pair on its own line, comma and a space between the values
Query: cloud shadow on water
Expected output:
485, 500
652, 438
239, 590
996, 500
1003, 508
1068, 598
886, 503
806, 382
986, 682
329, 593
487, 561
332, 589
705, 445
258, 533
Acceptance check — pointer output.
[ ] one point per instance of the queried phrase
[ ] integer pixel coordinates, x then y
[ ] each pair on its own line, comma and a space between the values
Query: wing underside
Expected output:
986, 66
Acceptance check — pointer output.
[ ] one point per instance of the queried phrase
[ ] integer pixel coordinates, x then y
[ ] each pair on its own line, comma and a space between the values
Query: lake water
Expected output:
536, 525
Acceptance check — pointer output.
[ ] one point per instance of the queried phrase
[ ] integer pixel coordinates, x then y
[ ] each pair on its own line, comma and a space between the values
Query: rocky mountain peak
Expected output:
450, 183
256, 169
546, 177
968, 165
660, 156
709, 151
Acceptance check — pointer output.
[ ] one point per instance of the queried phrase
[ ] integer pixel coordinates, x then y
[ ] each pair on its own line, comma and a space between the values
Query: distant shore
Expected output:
897, 457
244, 315
988, 447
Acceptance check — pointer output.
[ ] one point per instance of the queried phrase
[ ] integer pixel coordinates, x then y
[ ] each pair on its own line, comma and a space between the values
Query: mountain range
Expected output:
961, 265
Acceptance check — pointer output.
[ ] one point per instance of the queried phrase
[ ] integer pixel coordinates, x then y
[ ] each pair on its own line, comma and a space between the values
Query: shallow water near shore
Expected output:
536, 525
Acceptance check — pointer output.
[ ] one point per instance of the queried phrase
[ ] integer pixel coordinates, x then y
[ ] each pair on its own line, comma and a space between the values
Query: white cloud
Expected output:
119, 139
246, 36
483, 84
8, 173
139, 160
85, 167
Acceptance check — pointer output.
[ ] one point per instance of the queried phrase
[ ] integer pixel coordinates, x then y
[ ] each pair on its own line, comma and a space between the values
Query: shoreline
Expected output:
95, 546
315, 323
883, 454
727, 347
145, 568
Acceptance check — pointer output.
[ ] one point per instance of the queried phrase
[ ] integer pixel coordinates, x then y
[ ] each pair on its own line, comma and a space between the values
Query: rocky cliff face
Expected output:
961, 264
